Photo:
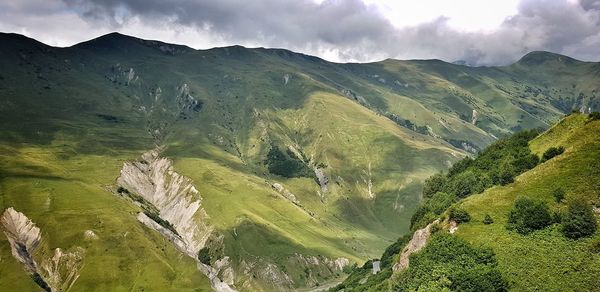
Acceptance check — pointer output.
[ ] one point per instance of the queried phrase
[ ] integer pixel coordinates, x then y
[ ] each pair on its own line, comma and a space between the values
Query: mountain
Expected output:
543, 259
157, 166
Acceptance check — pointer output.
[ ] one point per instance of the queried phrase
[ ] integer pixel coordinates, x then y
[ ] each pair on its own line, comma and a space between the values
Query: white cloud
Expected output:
479, 32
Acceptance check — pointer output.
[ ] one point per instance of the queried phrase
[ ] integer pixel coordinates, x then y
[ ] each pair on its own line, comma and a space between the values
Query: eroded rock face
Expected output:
171, 199
285, 193
174, 196
322, 178
416, 243
23, 236
57, 273
62, 269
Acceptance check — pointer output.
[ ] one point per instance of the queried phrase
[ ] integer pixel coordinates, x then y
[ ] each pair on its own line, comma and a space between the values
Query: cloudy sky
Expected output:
476, 31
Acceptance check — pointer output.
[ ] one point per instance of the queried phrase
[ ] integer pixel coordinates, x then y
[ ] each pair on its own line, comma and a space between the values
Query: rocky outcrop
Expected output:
322, 179
57, 273
314, 270
474, 117
172, 207
285, 193
23, 236
416, 243
62, 269
187, 103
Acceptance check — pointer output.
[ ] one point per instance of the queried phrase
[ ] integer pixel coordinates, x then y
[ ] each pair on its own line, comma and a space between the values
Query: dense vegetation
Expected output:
449, 262
286, 164
496, 165
579, 220
204, 256
551, 152
528, 215
59, 161
361, 278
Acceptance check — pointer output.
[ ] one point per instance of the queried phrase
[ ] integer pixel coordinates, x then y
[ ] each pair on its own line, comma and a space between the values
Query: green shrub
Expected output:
594, 116
40, 281
431, 208
433, 185
594, 246
387, 258
162, 222
348, 269
528, 215
552, 152
449, 262
204, 255
558, 194
286, 164
579, 221
459, 215
488, 219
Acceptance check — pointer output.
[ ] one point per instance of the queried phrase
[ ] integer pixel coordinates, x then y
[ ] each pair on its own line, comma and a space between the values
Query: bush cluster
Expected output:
552, 152
579, 221
528, 215
450, 263
286, 164
496, 165
204, 256
459, 215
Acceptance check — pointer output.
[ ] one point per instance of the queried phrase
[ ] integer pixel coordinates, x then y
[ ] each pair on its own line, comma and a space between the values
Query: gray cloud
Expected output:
352, 30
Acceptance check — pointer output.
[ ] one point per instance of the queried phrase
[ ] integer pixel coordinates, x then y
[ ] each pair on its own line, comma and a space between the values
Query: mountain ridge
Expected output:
301, 163
526, 58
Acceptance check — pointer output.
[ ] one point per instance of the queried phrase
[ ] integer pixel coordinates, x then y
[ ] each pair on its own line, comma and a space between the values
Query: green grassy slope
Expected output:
544, 260
69, 117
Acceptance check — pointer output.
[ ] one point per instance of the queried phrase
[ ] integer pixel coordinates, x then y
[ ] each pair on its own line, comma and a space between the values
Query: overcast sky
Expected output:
481, 32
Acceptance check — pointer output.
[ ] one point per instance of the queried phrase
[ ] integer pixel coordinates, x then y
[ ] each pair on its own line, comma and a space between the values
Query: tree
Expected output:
558, 194
459, 215
552, 152
433, 185
204, 255
488, 219
528, 215
579, 221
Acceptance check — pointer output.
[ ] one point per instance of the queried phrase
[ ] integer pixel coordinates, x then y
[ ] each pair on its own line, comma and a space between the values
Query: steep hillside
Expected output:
544, 259
260, 168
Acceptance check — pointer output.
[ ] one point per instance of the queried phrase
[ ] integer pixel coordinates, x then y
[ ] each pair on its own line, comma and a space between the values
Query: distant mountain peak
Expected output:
122, 42
540, 57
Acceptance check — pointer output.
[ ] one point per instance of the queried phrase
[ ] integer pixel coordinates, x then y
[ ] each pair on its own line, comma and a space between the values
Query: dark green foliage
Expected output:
558, 194
433, 185
552, 152
355, 281
459, 215
204, 255
387, 258
498, 164
488, 219
557, 217
164, 223
286, 164
579, 221
465, 184
594, 116
122, 190
594, 246
348, 269
449, 262
431, 208
528, 215
40, 281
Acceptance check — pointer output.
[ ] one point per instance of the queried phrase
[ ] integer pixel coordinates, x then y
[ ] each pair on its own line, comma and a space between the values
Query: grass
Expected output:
84, 119
544, 260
